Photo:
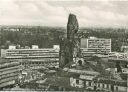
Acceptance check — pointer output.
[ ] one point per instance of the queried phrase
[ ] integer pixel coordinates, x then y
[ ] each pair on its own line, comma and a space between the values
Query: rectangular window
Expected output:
107, 85
103, 85
77, 81
98, 85
116, 88
89, 83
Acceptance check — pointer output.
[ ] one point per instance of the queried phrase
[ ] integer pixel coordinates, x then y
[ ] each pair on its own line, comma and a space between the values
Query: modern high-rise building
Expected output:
8, 72
34, 57
96, 45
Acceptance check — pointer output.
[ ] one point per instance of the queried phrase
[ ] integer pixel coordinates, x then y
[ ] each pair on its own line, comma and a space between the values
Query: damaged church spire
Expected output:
67, 45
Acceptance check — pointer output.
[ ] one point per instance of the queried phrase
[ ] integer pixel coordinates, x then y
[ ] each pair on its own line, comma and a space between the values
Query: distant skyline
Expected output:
101, 13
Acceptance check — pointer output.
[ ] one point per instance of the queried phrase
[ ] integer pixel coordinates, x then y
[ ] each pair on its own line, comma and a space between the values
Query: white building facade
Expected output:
96, 45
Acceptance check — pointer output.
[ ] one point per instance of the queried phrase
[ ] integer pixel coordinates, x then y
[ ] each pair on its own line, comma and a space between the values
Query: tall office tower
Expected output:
67, 44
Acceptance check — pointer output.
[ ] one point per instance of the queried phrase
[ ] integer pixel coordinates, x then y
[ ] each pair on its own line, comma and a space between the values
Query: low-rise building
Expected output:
83, 79
111, 85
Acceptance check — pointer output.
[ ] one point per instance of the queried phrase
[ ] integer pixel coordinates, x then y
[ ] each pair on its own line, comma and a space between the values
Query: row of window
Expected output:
52, 55
86, 83
99, 40
8, 75
99, 46
9, 68
32, 51
100, 51
8, 79
102, 86
27, 52
32, 54
9, 71
99, 43
6, 65
37, 62
107, 86
7, 83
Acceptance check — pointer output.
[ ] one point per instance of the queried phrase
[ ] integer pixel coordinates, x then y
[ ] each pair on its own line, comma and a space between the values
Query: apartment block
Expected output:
96, 45
35, 56
8, 72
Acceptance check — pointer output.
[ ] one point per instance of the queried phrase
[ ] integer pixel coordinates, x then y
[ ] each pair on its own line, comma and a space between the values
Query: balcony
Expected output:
7, 83
9, 69
8, 79
9, 64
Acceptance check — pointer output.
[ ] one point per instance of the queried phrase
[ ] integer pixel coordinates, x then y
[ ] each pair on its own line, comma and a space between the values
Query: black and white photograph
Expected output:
64, 45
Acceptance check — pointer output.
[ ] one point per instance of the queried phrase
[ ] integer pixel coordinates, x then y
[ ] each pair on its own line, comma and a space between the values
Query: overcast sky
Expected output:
55, 12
